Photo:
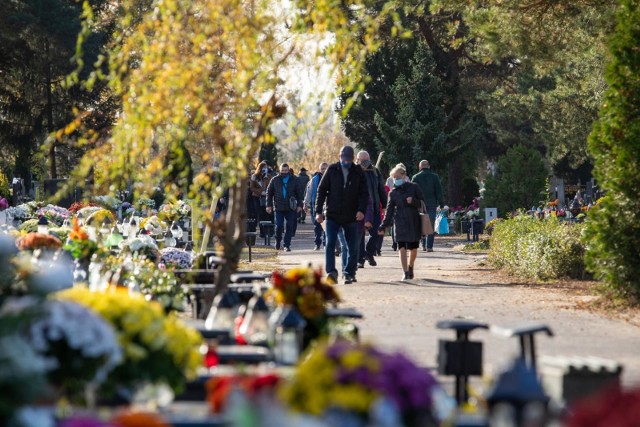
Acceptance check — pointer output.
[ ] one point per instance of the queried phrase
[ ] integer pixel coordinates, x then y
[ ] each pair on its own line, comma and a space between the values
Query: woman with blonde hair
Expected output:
402, 213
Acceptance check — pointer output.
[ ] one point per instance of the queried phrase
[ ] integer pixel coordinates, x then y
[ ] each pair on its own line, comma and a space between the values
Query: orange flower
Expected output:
78, 233
138, 419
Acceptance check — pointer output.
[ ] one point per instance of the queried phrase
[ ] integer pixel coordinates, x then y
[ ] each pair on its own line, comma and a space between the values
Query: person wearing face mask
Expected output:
303, 180
258, 186
402, 213
310, 202
284, 198
378, 195
341, 201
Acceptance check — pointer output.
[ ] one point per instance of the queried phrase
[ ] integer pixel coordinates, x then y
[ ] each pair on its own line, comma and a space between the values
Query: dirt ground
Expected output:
451, 284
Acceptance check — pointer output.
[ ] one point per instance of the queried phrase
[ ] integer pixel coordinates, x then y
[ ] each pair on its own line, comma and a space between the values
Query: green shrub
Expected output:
4, 186
538, 249
613, 230
480, 245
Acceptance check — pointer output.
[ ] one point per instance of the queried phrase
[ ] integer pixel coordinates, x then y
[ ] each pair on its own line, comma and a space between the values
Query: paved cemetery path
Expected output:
450, 284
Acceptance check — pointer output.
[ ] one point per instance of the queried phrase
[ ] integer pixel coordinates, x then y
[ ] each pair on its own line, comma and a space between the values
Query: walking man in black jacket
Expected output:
375, 188
284, 197
343, 188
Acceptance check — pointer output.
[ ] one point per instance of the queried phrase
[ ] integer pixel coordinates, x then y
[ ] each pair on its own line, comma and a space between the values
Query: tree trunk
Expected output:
231, 233
53, 169
454, 182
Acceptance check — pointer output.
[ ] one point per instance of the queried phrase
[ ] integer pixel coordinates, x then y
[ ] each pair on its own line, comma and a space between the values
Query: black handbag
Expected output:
263, 200
293, 203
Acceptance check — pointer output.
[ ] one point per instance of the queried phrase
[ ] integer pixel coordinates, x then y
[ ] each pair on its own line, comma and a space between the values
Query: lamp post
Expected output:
80, 218
43, 225
105, 227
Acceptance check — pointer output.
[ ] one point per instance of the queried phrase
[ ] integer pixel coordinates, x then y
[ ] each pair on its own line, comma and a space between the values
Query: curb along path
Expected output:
450, 284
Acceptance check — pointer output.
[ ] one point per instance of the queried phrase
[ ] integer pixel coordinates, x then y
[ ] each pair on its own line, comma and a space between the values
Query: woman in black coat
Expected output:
402, 213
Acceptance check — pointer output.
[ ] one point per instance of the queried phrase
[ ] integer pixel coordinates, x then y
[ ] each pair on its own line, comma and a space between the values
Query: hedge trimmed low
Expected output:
538, 249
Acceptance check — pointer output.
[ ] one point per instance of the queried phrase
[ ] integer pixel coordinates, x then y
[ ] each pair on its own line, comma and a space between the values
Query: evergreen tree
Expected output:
518, 182
416, 130
613, 229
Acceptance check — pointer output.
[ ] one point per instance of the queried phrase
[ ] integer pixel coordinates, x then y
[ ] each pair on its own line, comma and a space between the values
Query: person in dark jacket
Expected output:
258, 186
402, 213
378, 195
310, 203
284, 198
303, 180
343, 188
431, 188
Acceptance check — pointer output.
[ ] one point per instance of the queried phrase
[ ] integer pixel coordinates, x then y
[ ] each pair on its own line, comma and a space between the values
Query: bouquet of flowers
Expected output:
157, 348
358, 380
29, 226
142, 245
184, 208
76, 206
152, 225
176, 258
168, 212
55, 214
79, 245
33, 241
79, 346
307, 291
303, 288
153, 281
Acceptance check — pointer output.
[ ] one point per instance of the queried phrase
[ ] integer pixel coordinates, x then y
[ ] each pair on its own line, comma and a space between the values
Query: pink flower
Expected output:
4, 204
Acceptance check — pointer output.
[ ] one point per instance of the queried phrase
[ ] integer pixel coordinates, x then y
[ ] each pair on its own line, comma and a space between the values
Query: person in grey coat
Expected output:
402, 212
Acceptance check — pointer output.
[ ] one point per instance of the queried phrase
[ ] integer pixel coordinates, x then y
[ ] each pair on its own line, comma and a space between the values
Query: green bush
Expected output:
538, 249
613, 229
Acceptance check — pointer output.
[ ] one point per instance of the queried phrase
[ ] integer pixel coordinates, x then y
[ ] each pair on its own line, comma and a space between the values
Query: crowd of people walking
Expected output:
351, 206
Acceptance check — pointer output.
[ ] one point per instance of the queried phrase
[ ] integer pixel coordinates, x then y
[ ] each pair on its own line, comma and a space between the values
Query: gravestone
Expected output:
489, 214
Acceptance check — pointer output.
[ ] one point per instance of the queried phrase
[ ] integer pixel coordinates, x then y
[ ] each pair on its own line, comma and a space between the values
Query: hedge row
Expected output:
539, 249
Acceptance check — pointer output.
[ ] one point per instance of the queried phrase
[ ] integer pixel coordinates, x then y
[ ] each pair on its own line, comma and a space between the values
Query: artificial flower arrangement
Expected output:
54, 214
157, 348
29, 226
124, 418
153, 281
141, 246
79, 245
168, 212
175, 258
346, 381
152, 225
79, 347
87, 211
174, 211
98, 217
33, 241
76, 206
307, 291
